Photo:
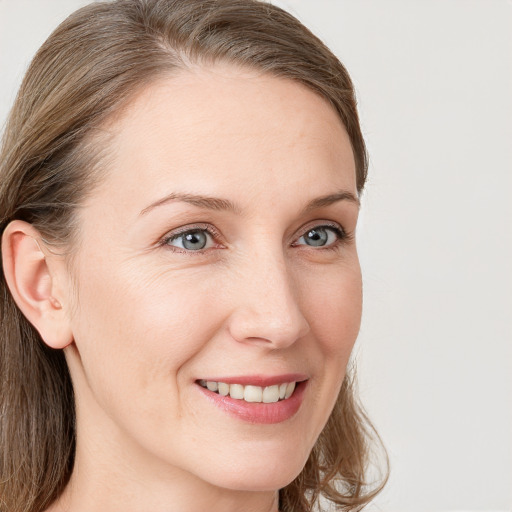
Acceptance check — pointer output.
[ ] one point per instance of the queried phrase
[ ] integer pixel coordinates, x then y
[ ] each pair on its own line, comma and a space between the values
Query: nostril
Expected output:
247, 327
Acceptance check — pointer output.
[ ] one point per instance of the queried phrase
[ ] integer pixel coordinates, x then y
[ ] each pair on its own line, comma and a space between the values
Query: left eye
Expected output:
193, 240
320, 236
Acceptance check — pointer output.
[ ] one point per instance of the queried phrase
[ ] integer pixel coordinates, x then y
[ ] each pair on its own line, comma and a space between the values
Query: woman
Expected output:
181, 288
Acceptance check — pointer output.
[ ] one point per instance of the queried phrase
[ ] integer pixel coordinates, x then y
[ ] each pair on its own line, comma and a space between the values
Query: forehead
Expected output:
226, 130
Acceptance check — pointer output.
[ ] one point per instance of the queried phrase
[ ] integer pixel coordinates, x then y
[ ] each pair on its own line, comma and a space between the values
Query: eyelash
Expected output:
342, 237
210, 230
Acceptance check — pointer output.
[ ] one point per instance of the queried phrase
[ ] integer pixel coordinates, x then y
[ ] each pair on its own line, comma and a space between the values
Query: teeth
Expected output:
282, 390
258, 394
236, 391
270, 394
223, 389
213, 386
289, 390
253, 393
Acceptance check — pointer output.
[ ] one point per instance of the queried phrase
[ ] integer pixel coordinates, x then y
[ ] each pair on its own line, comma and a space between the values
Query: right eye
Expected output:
191, 240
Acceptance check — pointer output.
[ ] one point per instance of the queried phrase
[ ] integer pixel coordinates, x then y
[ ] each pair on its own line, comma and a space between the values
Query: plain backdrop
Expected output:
434, 83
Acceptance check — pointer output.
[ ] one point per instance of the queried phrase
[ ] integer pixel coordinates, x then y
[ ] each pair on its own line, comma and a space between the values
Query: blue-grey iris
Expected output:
194, 240
316, 237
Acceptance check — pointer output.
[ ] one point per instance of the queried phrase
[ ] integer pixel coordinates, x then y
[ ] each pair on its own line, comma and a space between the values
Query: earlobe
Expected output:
30, 275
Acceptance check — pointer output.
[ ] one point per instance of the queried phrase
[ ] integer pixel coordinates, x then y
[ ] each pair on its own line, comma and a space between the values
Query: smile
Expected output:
256, 398
250, 393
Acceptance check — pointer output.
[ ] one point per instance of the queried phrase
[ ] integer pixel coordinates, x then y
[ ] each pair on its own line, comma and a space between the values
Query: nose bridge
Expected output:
269, 306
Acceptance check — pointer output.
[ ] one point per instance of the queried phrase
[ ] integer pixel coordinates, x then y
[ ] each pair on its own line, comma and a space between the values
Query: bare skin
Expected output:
275, 290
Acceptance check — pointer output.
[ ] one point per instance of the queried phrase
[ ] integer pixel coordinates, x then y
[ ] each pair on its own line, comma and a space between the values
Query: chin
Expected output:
259, 481
258, 472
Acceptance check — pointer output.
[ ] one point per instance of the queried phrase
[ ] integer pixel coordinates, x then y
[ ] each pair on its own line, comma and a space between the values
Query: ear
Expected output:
31, 273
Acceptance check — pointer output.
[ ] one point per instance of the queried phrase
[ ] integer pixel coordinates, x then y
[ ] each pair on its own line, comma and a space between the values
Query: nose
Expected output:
267, 310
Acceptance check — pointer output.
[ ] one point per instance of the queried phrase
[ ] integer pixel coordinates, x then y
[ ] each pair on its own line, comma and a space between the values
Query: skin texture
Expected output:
148, 318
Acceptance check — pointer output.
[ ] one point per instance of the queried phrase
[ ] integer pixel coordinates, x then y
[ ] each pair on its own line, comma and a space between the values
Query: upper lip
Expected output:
259, 380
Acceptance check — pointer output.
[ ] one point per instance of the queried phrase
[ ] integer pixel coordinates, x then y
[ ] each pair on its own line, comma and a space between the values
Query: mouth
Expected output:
256, 399
250, 393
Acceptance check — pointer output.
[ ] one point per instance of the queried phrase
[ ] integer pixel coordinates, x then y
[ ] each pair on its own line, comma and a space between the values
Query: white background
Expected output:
434, 82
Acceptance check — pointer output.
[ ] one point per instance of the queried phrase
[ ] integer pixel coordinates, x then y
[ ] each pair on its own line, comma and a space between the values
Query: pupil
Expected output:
195, 240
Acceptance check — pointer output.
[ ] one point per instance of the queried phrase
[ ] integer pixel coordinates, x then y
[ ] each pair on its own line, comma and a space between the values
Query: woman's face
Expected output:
218, 249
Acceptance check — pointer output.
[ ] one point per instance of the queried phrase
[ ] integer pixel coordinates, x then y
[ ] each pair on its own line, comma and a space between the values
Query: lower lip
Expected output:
256, 412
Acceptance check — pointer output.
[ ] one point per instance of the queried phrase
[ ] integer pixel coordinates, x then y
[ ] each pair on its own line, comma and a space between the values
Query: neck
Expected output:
110, 474
109, 493
100, 487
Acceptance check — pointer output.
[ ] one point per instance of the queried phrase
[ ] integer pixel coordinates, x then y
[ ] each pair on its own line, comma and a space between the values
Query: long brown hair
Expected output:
51, 157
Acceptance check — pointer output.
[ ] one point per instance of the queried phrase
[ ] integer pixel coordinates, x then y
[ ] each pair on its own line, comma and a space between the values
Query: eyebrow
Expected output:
216, 203
209, 203
342, 195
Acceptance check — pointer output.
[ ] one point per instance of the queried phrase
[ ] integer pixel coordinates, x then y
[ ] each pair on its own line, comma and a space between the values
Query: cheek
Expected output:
333, 304
135, 331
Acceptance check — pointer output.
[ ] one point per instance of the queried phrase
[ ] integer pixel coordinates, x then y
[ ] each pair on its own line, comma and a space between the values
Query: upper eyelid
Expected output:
217, 235
164, 242
170, 235
341, 233
322, 224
